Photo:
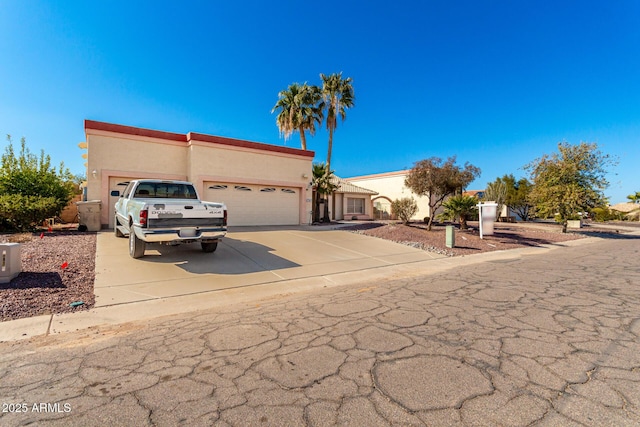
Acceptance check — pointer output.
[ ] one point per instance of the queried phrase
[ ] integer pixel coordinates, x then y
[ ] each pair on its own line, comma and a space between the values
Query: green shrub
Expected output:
601, 214
31, 189
458, 208
404, 208
18, 212
426, 220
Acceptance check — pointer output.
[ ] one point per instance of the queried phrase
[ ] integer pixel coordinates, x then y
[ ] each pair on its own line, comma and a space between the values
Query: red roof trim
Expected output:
130, 130
247, 144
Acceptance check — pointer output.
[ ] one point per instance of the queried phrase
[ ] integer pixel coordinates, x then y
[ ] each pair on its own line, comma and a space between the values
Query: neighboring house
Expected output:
479, 194
261, 184
390, 186
631, 210
505, 214
350, 201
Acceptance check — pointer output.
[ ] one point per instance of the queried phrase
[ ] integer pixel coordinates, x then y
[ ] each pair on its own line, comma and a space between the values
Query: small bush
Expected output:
26, 174
404, 208
426, 220
600, 214
18, 212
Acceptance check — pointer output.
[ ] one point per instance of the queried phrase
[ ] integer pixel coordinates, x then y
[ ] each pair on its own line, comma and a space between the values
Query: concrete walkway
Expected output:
545, 337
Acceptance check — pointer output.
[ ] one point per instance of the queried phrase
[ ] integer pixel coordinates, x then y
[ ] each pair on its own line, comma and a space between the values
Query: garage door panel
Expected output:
256, 205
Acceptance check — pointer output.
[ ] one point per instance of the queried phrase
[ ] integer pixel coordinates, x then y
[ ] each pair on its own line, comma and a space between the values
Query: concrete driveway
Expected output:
247, 257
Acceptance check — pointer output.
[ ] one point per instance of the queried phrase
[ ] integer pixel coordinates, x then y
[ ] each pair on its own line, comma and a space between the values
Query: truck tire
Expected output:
136, 246
209, 246
117, 232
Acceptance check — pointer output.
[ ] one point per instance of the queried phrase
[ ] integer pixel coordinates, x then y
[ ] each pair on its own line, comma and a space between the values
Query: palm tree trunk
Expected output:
330, 147
303, 139
316, 208
326, 210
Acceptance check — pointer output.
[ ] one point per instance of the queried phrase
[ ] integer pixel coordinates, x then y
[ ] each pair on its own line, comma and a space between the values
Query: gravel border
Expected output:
58, 272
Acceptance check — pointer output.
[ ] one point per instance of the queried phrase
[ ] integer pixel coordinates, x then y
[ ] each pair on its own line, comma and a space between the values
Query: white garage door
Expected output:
256, 204
119, 184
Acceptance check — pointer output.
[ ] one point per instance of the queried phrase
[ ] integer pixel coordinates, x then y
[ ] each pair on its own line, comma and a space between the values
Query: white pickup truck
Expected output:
167, 212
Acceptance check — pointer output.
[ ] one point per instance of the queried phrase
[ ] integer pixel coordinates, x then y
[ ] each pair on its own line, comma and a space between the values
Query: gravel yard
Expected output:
58, 269
468, 242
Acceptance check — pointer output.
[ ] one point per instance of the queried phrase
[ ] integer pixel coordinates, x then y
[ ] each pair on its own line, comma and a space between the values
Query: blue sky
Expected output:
496, 83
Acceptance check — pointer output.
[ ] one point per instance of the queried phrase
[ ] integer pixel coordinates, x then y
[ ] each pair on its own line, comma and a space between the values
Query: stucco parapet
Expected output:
379, 175
93, 127
206, 141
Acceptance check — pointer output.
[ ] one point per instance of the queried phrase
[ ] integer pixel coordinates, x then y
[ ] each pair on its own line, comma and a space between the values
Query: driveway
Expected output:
247, 257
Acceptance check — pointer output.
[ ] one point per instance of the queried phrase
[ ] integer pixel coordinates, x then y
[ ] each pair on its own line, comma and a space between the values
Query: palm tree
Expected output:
323, 183
634, 198
338, 97
300, 108
459, 207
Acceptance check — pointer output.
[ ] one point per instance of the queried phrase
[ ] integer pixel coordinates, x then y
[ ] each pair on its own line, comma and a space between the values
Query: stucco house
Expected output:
390, 186
350, 201
630, 210
261, 184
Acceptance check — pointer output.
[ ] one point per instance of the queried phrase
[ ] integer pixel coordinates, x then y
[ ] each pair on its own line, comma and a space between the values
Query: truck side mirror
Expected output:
115, 193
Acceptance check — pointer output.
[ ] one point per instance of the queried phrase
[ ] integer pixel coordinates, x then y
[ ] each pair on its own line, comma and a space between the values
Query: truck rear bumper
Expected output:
183, 235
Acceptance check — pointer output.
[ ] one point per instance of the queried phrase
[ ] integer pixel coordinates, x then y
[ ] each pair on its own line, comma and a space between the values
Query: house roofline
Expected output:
192, 136
379, 175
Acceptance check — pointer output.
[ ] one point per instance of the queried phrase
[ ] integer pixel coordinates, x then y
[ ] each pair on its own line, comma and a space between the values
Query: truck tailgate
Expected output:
181, 214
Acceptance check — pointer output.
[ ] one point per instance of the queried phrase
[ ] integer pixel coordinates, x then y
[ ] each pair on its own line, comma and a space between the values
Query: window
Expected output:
288, 191
268, 190
218, 187
242, 188
355, 206
165, 190
127, 190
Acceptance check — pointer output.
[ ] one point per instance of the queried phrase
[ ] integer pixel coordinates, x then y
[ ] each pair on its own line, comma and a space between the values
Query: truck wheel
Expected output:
136, 246
117, 232
209, 246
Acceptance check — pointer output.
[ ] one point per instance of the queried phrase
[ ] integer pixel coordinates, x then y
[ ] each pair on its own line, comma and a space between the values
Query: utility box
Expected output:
89, 214
450, 241
10, 261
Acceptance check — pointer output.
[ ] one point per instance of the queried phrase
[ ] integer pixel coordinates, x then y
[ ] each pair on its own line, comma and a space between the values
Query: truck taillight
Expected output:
144, 215
224, 221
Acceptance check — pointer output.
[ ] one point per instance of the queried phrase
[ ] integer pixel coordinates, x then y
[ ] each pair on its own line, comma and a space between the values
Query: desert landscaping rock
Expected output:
44, 286
468, 242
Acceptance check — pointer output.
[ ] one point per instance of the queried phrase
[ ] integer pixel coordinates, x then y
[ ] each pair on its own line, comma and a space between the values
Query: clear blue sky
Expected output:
497, 83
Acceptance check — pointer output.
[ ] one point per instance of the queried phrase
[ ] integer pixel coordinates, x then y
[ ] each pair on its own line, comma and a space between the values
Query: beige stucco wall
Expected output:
338, 202
112, 154
132, 157
246, 165
391, 185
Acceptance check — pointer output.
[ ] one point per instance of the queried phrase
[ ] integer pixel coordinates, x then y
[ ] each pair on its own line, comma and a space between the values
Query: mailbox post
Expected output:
487, 213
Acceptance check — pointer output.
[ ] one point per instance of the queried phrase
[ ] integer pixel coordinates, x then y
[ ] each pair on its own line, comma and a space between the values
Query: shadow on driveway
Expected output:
233, 256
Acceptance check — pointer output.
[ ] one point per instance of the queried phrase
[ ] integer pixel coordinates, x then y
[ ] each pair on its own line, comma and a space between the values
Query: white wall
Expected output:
391, 185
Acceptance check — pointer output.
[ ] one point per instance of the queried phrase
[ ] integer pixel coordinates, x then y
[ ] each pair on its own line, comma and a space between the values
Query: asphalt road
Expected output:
549, 339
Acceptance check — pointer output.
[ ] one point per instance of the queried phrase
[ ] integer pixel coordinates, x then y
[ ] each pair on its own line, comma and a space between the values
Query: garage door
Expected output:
119, 184
256, 204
